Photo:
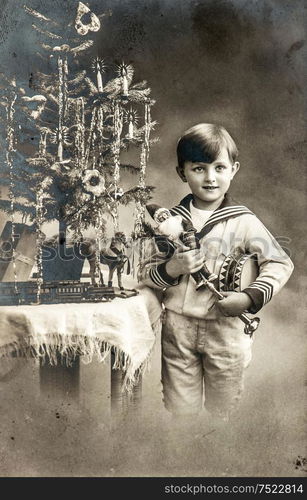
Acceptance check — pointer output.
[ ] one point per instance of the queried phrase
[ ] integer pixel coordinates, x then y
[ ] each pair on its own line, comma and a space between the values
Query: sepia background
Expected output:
241, 64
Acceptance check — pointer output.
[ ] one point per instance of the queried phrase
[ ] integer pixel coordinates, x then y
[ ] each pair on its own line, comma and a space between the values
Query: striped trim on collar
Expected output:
180, 210
228, 209
183, 208
225, 213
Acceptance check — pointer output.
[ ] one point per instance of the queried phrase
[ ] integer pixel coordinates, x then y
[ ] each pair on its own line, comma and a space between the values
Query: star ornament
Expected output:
93, 182
61, 134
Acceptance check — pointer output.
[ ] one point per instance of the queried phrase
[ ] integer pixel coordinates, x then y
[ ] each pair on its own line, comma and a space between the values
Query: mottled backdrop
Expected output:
239, 63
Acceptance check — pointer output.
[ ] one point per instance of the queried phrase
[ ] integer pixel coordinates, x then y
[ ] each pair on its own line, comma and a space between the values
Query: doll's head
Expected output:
168, 225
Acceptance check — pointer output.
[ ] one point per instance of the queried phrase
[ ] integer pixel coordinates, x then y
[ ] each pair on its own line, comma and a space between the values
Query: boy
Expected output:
204, 349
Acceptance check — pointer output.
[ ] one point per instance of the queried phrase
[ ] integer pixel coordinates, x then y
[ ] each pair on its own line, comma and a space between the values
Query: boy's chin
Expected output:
211, 196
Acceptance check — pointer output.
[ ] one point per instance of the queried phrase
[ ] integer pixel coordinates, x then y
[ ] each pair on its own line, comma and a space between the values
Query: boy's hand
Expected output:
184, 261
234, 303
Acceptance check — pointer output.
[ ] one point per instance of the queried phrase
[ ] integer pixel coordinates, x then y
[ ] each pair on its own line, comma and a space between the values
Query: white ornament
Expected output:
81, 28
94, 182
40, 100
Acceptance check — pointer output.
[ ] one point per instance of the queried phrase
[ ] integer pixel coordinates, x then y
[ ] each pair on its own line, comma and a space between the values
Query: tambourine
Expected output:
237, 272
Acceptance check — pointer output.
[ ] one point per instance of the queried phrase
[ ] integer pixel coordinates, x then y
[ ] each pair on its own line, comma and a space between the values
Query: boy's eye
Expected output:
219, 168
198, 169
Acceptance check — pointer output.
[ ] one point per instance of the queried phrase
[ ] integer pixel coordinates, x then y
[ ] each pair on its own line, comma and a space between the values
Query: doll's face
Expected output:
161, 215
171, 227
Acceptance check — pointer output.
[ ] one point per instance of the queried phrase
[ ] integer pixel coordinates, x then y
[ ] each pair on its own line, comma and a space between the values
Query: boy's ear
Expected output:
235, 168
180, 172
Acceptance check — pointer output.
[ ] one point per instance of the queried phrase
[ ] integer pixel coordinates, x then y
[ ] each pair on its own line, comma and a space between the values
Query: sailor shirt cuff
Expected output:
260, 292
161, 278
257, 299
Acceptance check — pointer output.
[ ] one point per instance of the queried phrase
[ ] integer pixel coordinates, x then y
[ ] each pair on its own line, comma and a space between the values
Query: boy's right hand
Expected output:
184, 261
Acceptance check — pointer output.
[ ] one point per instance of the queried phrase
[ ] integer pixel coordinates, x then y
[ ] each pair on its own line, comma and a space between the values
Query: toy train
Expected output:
58, 292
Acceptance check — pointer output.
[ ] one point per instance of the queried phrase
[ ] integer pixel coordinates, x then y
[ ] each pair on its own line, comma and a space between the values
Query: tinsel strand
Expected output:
90, 138
65, 88
118, 125
99, 236
77, 234
80, 134
146, 140
61, 109
10, 149
100, 118
42, 148
39, 242
140, 204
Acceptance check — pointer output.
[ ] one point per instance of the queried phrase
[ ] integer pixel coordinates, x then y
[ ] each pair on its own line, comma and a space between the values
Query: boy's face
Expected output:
209, 181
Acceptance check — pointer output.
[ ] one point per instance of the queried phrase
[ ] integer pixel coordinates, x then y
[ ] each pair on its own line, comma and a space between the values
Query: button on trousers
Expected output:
203, 363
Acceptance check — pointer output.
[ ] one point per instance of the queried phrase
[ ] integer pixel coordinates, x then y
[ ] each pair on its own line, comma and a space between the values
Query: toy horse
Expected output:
114, 257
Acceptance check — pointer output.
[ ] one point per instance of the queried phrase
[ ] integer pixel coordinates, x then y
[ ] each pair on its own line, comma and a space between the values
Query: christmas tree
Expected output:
82, 122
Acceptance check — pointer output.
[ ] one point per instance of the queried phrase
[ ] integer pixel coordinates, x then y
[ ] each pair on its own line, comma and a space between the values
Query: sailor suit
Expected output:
203, 352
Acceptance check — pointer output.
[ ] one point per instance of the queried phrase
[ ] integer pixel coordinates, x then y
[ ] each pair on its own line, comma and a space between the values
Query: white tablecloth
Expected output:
87, 329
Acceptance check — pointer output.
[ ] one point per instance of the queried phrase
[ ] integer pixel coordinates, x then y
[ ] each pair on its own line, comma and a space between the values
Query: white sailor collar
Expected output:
229, 208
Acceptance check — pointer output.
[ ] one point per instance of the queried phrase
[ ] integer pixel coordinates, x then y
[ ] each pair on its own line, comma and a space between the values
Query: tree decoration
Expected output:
78, 125
99, 68
131, 117
81, 28
10, 138
125, 71
39, 242
93, 182
140, 205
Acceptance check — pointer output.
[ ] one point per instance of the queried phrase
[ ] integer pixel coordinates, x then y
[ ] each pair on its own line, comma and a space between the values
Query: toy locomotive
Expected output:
58, 292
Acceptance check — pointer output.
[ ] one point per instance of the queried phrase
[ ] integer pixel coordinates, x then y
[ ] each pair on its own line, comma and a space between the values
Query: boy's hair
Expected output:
203, 143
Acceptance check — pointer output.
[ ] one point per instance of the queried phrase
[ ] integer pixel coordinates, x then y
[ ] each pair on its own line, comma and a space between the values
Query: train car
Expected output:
58, 292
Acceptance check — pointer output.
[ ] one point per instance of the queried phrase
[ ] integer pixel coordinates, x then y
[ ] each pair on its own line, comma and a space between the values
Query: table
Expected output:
57, 333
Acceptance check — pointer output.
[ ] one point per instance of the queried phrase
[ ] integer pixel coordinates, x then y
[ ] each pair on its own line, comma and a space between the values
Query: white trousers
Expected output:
203, 362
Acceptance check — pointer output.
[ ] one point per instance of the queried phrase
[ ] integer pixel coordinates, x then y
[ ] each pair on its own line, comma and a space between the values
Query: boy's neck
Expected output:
204, 205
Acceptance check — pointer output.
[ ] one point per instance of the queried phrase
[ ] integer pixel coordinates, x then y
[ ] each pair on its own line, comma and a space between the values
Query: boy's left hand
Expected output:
234, 303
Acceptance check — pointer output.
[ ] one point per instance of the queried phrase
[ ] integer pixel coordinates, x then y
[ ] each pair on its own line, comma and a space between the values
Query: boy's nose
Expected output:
210, 176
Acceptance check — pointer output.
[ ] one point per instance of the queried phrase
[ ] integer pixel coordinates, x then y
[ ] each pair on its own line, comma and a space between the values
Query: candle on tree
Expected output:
99, 81
125, 84
131, 118
125, 72
130, 129
99, 66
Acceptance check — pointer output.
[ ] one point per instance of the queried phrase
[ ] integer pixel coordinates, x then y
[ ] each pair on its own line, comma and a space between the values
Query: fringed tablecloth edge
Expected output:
55, 348
130, 381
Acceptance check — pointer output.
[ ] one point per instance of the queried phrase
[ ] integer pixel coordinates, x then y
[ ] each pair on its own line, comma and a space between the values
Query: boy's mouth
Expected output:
210, 188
